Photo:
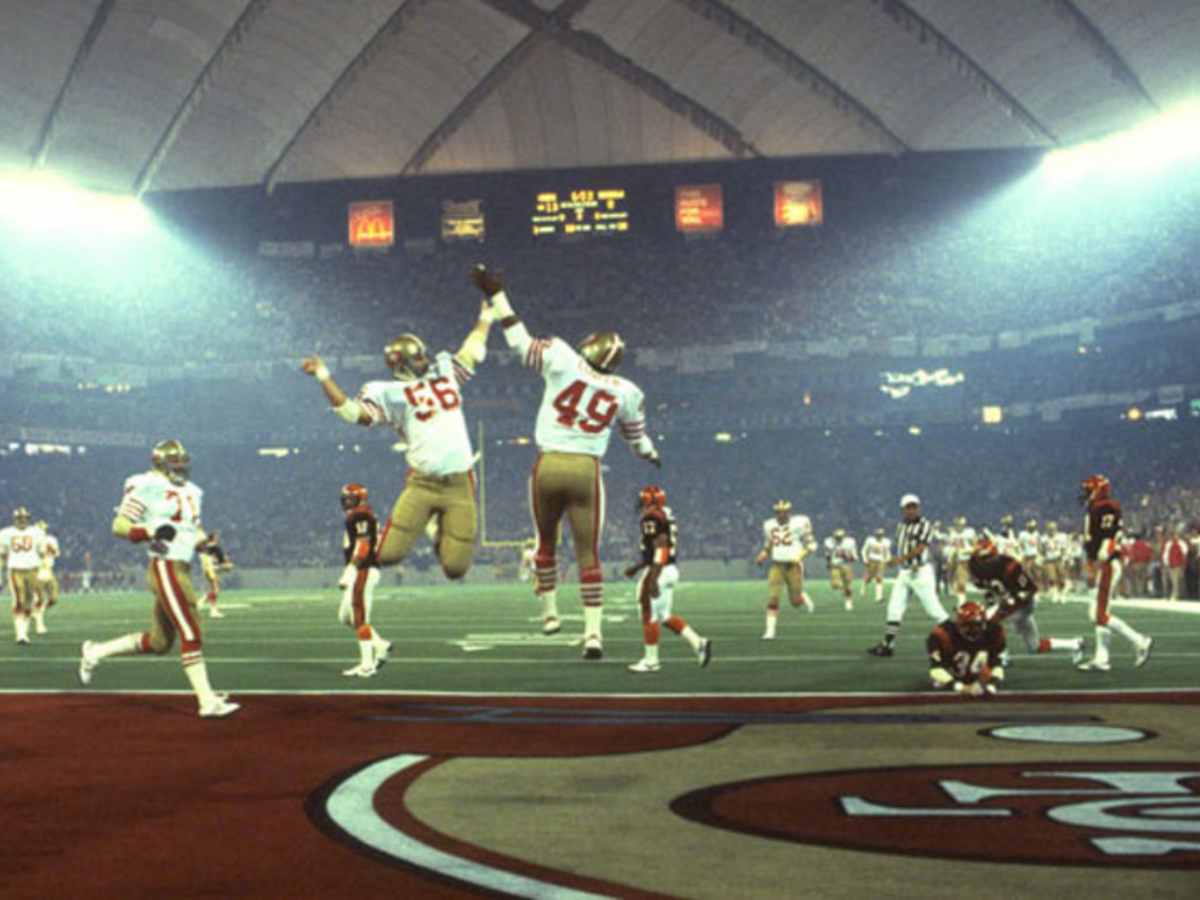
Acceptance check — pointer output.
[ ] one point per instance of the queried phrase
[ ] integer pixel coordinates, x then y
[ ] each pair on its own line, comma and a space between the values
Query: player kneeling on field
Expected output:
359, 579
964, 653
656, 586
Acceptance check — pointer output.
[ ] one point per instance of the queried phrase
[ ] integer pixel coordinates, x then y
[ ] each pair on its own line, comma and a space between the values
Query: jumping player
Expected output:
583, 398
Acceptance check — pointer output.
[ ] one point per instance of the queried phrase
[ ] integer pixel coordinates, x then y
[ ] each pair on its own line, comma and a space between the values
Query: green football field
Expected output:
486, 638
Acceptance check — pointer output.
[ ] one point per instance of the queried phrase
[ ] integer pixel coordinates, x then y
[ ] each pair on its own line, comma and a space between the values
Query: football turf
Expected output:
487, 638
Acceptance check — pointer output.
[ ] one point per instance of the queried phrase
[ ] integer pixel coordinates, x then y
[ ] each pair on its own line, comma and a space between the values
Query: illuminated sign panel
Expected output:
699, 207
463, 220
372, 224
583, 211
798, 203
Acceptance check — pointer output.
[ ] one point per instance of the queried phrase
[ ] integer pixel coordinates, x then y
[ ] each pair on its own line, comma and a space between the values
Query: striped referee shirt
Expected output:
909, 535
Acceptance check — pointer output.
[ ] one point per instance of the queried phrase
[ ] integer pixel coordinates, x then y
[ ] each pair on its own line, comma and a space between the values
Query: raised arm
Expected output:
516, 335
474, 347
347, 409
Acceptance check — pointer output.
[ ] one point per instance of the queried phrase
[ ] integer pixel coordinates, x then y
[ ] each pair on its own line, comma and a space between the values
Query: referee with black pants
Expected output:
916, 576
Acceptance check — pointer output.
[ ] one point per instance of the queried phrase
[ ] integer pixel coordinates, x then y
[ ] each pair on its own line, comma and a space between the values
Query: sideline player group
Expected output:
583, 400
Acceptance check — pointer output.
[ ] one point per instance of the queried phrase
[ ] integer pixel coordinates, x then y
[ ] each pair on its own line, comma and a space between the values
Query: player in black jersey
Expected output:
656, 586
359, 545
965, 652
213, 561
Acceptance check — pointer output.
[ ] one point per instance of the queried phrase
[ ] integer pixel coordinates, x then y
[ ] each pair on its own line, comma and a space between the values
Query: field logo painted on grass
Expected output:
1144, 815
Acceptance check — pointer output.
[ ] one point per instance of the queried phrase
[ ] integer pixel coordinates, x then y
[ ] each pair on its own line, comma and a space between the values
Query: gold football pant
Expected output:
841, 578
22, 583
962, 577
452, 499
568, 485
46, 590
783, 574
174, 610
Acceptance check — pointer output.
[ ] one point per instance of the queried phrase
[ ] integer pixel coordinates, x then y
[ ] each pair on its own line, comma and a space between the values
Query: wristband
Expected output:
322, 373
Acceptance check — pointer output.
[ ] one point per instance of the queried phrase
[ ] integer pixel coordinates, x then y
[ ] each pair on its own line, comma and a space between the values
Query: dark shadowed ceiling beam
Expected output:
394, 25
797, 67
926, 33
556, 26
228, 46
1100, 45
50, 126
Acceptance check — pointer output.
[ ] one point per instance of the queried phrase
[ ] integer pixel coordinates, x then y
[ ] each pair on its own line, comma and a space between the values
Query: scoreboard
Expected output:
581, 211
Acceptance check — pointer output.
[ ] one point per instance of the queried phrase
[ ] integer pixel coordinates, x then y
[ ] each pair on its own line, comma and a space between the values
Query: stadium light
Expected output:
1170, 137
42, 202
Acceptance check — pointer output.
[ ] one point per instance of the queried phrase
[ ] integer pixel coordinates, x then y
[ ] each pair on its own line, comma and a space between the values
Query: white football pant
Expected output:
921, 583
660, 606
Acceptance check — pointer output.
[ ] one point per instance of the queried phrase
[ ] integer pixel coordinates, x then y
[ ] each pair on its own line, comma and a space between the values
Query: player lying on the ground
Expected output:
965, 652
583, 399
1011, 596
656, 586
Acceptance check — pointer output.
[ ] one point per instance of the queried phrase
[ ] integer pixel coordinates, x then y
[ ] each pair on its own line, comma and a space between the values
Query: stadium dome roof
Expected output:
173, 94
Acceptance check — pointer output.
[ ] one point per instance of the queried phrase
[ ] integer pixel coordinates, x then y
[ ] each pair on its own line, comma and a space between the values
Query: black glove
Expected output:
489, 282
164, 532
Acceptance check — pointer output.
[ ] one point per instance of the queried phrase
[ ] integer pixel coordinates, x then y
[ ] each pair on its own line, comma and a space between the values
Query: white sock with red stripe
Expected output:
197, 673
129, 643
591, 622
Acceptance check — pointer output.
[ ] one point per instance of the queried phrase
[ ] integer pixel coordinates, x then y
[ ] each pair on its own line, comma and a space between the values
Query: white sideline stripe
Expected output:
177, 613
467, 695
1062, 658
352, 807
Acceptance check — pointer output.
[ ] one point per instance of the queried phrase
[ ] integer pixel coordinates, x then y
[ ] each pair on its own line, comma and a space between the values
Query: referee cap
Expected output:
909, 498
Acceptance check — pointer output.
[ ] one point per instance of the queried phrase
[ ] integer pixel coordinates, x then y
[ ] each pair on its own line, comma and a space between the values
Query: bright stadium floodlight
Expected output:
42, 203
1170, 137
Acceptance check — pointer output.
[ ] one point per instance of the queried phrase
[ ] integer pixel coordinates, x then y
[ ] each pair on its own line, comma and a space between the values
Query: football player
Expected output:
359, 547
876, 550
841, 573
656, 586
46, 591
213, 562
1053, 551
965, 654
583, 399
1030, 542
423, 405
19, 546
787, 539
161, 509
1006, 584
1005, 538
966, 537
916, 576
1102, 542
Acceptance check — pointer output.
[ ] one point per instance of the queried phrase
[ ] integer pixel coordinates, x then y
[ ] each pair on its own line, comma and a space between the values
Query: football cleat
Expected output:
360, 671
551, 626
214, 613
644, 665
704, 654
219, 708
592, 648
881, 649
24, 640
87, 663
1143, 653
382, 655
1078, 653
1093, 666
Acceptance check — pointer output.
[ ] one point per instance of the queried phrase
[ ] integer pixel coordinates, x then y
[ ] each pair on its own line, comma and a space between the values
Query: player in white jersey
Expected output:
966, 538
583, 399
161, 508
422, 404
1053, 550
1030, 543
876, 551
46, 585
787, 539
19, 547
844, 554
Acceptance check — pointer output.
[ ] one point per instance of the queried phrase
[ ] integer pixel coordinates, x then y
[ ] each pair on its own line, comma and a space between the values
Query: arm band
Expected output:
349, 411
322, 373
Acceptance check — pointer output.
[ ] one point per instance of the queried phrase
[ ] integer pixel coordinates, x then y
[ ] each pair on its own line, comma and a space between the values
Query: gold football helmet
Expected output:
603, 350
839, 533
960, 522
407, 357
172, 460
1031, 524
1051, 527
41, 526
20, 517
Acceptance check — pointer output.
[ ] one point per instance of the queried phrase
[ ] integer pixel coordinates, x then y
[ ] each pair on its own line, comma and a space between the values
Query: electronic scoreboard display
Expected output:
582, 211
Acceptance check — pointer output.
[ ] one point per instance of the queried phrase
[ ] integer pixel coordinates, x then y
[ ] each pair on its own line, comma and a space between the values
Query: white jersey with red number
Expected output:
151, 500
875, 549
580, 404
48, 552
428, 414
1030, 543
845, 551
21, 546
788, 542
966, 543
1051, 547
